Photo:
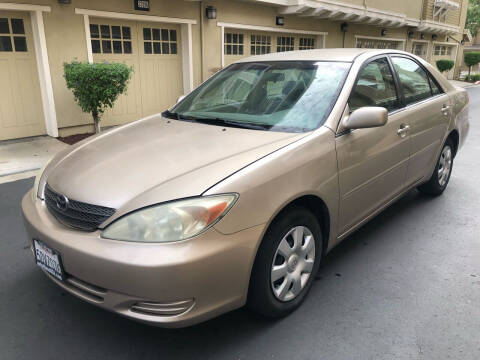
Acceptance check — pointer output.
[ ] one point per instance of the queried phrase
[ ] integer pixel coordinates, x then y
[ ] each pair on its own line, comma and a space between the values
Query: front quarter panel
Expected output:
306, 167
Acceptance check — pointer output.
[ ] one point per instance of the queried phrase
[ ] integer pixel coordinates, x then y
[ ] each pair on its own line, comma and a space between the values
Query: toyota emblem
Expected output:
62, 202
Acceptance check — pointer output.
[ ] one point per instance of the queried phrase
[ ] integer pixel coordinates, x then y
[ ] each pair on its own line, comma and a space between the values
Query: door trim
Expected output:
41, 57
185, 30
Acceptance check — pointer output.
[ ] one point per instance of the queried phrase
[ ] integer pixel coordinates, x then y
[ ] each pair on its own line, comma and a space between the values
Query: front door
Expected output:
372, 163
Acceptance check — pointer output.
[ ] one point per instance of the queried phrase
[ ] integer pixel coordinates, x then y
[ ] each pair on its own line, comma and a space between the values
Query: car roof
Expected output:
340, 54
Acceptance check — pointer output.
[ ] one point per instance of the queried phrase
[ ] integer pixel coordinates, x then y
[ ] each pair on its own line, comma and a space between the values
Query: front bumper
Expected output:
179, 283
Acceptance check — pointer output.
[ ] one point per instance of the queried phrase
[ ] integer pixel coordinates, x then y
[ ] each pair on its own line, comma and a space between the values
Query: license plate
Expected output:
48, 259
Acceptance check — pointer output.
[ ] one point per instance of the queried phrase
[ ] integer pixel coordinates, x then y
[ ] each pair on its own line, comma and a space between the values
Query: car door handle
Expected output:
402, 131
445, 109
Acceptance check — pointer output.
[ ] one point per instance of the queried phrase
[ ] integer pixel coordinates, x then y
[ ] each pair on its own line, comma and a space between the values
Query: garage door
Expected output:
444, 51
373, 43
420, 48
154, 52
239, 44
21, 112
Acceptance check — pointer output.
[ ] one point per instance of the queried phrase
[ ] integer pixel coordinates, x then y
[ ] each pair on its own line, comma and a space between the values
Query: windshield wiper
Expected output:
177, 116
216, 121
232, 123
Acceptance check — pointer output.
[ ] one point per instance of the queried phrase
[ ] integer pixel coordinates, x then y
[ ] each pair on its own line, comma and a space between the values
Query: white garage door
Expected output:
239, 44
21, 113
153, 50
379, 43
444, 51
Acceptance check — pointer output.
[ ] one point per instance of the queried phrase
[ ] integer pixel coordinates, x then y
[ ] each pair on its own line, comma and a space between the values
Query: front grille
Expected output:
76, 214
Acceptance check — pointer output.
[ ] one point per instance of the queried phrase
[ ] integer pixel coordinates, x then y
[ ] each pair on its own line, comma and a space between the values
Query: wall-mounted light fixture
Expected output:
344, 27
280, 20
211, 12
434, 37
422, 36
384, 32
410, 34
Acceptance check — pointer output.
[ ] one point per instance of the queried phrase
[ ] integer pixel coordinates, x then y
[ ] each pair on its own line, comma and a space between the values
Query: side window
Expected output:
414, 80
375, 87
435, 88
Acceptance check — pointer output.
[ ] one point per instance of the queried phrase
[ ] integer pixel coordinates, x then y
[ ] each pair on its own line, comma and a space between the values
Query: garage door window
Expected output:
233, 44
285, 43
15, 36
306, 44
260, 44
108, 39
159, 41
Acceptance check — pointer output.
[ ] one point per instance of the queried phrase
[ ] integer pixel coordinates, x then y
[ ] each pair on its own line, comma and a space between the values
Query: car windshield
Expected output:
292, 96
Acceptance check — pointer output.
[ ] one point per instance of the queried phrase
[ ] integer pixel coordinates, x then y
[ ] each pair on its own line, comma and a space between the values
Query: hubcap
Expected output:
444, 165
293, 263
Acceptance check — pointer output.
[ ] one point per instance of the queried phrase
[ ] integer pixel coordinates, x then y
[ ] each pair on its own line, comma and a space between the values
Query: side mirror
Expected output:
366, 117
180, 98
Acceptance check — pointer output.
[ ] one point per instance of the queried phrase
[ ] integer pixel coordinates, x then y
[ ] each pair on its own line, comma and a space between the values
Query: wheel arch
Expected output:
455, 138
317, 207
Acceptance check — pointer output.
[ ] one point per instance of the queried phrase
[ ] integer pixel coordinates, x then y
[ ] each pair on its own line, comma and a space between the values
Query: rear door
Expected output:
428, 110
372, 163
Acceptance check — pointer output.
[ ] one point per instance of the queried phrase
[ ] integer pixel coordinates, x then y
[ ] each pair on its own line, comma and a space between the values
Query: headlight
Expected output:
35, 192
174, 221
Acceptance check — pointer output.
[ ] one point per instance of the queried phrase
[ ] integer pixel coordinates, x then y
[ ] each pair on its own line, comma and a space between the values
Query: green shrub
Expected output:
471, 59
444, 65
96, 86
473, 78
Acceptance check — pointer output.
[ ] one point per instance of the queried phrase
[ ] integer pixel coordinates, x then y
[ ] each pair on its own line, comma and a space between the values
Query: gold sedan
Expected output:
235, 194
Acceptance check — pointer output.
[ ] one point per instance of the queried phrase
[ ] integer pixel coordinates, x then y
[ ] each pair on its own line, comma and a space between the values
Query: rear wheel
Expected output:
437, 184
286, 263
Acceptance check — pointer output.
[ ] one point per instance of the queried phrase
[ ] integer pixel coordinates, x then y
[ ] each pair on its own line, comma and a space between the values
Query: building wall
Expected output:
66, 40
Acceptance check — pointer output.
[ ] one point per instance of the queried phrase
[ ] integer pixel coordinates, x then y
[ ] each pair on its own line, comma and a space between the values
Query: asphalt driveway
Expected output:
405, 286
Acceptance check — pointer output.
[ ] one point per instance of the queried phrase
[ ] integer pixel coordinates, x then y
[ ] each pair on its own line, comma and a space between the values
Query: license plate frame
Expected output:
48, 259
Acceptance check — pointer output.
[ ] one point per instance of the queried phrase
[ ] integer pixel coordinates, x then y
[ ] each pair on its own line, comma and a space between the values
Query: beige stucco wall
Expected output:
65, 34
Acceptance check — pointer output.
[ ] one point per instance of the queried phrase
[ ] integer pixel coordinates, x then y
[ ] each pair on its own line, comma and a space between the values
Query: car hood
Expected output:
155, 160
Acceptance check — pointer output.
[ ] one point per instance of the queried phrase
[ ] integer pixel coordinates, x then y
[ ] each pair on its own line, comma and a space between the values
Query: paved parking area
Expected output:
405, 286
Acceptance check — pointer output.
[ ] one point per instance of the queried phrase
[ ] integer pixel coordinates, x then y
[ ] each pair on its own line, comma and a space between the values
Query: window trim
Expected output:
429, 76
395, 80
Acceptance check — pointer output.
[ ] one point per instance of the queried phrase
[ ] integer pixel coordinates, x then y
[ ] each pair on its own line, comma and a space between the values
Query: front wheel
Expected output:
437, 184
286, 263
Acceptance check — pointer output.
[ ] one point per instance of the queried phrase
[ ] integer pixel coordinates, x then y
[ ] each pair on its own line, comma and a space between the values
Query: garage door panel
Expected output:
161, 84
30, 100
21, 113
155, 54
115, 41
8, 114
161, 66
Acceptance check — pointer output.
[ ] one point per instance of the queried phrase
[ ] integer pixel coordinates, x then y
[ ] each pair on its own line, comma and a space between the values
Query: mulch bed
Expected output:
73, 139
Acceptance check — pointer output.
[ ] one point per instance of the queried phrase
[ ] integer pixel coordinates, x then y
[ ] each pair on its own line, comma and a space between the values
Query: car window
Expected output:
414, 80
375, 87
435, 88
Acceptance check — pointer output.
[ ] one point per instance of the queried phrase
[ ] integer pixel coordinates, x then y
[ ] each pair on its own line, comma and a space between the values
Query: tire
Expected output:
438, 182
279, 298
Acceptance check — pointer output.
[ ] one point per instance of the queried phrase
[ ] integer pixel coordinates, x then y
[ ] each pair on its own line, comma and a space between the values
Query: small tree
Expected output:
444, 65
471, 59
96, 86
